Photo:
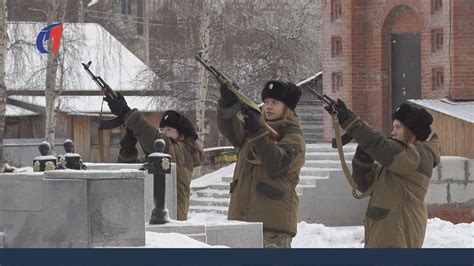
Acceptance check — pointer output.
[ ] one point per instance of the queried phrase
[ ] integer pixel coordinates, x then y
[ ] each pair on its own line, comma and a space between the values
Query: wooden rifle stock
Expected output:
245, 101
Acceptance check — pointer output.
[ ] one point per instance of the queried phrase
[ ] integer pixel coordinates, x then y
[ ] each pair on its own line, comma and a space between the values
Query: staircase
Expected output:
311, 118
321, 159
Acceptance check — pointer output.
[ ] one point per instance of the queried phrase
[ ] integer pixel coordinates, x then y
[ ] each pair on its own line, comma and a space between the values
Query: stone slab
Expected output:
235, 235
232, 234
171, 194
115, 211
61, 222
453, 169
462, 193
437, 193
87, 211
94, 174
21, 192
2, 240
331, 203
195, 231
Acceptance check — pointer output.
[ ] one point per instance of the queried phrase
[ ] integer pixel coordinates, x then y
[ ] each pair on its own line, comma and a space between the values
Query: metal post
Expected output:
159, 164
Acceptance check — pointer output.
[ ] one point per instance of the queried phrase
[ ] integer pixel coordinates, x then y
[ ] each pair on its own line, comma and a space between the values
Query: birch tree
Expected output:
203, 75
3, 93
56, 13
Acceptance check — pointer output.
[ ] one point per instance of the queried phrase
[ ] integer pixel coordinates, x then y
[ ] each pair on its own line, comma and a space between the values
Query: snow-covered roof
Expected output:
80, 43
15, 111
461, 110
84, 105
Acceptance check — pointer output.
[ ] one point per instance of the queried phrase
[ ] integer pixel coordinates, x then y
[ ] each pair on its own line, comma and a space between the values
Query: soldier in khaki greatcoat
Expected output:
267, 170
396, 171
179, 135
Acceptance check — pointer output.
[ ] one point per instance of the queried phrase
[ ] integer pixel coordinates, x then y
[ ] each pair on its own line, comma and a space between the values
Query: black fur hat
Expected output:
286, 92
417, 120
175, 120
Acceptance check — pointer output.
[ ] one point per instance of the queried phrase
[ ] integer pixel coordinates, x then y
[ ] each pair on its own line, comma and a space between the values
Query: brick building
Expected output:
379, 53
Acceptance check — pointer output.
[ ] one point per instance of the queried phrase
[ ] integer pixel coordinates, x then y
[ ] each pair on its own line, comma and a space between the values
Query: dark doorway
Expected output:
406, 67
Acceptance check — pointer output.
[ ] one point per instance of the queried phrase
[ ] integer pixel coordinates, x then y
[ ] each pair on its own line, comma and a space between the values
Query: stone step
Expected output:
326, 147
314, 129
224, 187
307, 180
313, 140
208, 209
308, 116
312, 171
326, 156
313, 135
318, 122
212, 193
220, 186
202, 201
299, 188
325, 163
227, 179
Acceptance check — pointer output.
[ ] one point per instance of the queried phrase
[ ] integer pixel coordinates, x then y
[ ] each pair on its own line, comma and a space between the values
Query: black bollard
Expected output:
44, 162
159, 164
70, 159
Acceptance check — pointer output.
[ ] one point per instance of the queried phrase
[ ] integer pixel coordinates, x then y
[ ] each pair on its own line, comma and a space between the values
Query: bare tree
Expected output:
203, 75
56, 13
3, 94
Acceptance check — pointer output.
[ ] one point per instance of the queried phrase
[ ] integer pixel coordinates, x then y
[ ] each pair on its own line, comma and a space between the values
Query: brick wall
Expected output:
462, 52
365, 28
450, 195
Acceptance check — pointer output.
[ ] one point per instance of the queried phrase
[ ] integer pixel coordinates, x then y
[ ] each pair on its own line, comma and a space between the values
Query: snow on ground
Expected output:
213, 177
439, 234
173, 240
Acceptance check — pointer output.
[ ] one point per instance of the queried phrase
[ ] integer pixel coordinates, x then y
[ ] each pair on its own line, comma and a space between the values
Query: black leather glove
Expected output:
118, 106
251, 121
342, 112
129, 140
227, 96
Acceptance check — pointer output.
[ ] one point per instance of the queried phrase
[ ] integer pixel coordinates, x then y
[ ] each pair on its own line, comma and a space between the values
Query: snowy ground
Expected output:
439, 234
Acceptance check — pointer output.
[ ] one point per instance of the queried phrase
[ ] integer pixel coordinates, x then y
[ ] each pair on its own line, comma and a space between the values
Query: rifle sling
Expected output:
347, 173
101, 144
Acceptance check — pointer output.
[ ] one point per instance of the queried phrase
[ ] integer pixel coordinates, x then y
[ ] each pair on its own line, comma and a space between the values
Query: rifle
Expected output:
339, 141
245, 102
108, 93
328, 101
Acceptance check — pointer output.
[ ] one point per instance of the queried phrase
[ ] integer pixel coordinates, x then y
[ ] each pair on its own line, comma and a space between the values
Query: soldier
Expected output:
267, 171
397, 182
179, 135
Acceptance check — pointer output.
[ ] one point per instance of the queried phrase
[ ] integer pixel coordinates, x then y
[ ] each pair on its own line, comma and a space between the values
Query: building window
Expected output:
336, 81
336, 9
126, 7
436, 5
437, 78
336, 46
436, 40
95, 131
115, 136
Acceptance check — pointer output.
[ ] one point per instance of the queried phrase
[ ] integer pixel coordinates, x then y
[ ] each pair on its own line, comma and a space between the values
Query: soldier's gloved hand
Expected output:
343, 114
251, 121
129, 140
227, 96
118, 106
